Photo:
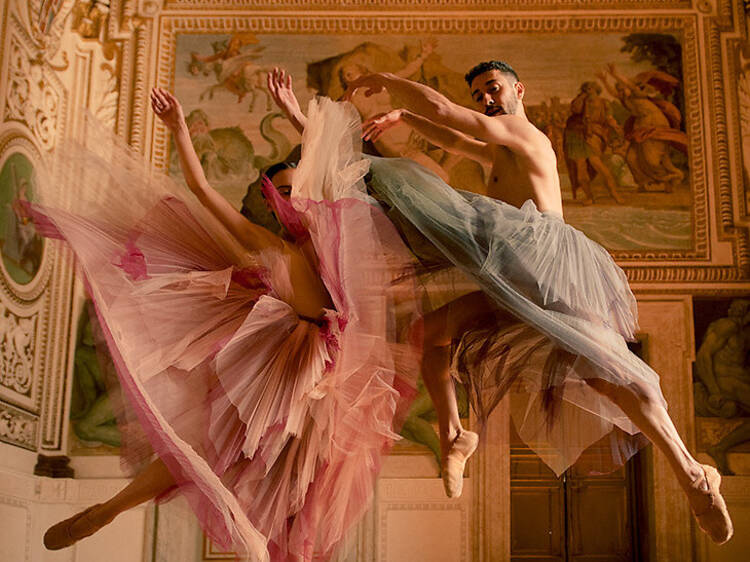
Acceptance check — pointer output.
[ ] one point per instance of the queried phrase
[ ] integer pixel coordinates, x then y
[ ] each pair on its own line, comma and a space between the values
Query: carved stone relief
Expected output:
30, 99
89, 18
34, 95
17, 346
22, 347
46, 24
18, 427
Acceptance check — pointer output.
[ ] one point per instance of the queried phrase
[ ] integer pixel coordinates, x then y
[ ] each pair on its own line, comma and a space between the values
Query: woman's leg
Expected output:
645, 409
148, 484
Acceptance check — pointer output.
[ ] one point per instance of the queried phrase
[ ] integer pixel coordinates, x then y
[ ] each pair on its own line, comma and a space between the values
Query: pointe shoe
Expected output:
61, 535
455, 461
714, 518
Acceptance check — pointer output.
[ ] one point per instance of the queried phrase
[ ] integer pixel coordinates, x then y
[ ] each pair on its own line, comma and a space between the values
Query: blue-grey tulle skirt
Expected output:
573, 313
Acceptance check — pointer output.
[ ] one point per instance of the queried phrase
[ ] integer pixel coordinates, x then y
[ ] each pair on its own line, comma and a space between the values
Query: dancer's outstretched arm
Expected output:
449, 139
507, 130
169, 110
455, 142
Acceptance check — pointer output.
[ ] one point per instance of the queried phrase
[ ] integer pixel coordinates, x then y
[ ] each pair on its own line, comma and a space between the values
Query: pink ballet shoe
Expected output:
61, 535
455, 461
714, 518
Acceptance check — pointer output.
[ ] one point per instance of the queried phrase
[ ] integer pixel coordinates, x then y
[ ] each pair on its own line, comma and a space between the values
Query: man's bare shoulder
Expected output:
532, 138
531, 143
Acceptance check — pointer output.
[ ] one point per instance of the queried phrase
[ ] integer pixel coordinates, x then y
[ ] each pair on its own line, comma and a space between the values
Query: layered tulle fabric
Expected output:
571, 307
272, 423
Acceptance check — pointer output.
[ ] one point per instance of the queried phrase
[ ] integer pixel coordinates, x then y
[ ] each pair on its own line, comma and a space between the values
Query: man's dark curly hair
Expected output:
486, 66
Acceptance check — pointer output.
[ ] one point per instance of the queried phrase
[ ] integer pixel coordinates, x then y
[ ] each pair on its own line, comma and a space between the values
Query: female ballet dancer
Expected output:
269, 376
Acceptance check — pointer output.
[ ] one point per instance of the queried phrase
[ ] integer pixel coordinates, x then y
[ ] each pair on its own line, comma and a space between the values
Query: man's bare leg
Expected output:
148, 484
699, 482
441, 327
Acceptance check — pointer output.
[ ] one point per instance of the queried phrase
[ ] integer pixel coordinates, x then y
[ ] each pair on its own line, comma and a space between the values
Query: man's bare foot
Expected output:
455, 460
709, 507
71, 530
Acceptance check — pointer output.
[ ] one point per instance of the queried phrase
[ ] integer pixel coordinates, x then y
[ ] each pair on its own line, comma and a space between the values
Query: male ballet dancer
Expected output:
498, 133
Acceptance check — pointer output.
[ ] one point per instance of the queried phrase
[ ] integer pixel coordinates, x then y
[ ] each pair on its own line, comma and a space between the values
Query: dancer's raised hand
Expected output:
279, 84
376, 125
167, 108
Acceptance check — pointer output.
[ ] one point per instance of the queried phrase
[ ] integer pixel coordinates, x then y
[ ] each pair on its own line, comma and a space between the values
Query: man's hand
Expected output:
167, 108
374, 84
376, 125
280, 86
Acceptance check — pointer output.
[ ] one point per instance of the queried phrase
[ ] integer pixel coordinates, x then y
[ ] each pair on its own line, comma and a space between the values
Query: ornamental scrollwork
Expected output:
30, 97
17, 429
17, 343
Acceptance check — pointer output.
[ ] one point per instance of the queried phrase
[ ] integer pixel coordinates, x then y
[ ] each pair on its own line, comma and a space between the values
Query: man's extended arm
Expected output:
507, 130
449, 139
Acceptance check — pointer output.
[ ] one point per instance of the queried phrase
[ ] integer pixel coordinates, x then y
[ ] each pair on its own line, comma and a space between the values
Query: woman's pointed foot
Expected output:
455, 460
709, 507
71, 530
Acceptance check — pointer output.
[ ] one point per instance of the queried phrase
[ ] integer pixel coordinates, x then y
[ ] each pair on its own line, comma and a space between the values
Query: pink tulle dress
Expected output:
273, 425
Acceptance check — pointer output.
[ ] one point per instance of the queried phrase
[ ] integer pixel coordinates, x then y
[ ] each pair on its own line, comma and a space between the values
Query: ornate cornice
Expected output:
380, 5
469, 23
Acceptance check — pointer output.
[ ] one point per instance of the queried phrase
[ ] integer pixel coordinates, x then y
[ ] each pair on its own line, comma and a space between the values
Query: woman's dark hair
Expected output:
274, 169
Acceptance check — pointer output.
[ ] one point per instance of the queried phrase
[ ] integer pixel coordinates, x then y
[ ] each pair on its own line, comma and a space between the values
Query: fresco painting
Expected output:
20, 245
612, 106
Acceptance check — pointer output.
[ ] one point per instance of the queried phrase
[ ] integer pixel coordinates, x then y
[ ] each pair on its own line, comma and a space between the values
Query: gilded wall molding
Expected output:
55, 363
739, 104
719, 140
